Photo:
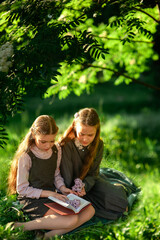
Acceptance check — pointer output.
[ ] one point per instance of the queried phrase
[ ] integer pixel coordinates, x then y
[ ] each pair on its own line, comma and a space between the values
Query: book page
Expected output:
71, 196
83, 202
64, 204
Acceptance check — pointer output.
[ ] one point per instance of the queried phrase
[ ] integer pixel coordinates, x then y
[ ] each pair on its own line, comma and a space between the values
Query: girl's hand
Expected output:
65, 190
46, 193
60, 196
82, 193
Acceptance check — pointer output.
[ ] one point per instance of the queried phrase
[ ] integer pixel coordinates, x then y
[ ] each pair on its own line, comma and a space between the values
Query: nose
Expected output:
48, 144
85, 138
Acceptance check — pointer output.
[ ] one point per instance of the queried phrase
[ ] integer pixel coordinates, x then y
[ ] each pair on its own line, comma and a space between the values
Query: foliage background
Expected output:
59, 47
88, 46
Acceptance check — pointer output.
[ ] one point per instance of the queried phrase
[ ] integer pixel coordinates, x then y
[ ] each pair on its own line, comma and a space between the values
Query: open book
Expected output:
67, 208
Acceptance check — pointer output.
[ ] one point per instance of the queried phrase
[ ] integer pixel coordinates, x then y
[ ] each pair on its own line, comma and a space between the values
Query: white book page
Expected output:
67, 205
83, 202
64, 204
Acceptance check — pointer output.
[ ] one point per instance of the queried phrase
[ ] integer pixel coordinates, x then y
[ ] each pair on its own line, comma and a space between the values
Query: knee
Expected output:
72, 221
91, 211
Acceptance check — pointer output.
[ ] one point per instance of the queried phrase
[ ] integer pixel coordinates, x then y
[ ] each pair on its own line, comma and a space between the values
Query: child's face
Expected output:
44, 142
85, 133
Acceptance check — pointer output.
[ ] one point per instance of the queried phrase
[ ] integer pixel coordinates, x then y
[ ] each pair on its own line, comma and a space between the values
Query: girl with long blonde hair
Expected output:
35, 176
82, 151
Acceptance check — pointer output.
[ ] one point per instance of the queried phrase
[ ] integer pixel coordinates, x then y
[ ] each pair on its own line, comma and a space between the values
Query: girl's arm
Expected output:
59, 183
58, 180
46, 194
23, 188
92, 174
66, 167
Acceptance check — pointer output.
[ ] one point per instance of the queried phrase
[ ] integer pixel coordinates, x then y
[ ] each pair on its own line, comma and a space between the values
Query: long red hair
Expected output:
44, 125
88, 117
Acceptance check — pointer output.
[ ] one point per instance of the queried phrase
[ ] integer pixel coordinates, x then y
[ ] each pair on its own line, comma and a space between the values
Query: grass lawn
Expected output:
130, 130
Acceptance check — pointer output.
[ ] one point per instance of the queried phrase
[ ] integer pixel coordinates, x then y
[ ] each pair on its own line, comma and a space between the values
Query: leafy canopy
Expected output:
52, 47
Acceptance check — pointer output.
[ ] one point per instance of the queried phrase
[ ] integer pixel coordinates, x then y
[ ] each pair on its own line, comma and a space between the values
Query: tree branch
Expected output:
119, 39
140, 10
126, 76
158, 6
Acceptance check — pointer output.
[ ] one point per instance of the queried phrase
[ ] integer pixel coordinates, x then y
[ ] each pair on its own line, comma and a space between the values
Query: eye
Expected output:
82, 134
43, 142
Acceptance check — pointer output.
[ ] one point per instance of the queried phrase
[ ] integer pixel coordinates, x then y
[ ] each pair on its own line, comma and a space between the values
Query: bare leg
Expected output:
49, 222
83, 217
50, 212
58, 224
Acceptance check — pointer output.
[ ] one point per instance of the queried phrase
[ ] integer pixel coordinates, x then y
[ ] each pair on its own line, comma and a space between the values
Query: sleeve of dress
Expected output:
23, 188
67, 164
58, 180
92, 174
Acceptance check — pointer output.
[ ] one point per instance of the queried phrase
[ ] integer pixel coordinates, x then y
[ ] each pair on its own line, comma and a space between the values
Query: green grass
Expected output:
130, 130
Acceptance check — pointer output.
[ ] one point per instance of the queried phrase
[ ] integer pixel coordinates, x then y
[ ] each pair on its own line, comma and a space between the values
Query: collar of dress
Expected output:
39, 153
79, 145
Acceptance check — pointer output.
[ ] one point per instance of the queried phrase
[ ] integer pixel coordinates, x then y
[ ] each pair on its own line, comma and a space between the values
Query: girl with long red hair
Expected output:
35, 176
82, 151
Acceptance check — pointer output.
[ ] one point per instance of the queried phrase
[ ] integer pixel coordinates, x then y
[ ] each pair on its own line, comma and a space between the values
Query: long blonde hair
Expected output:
88, 117
44, 125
